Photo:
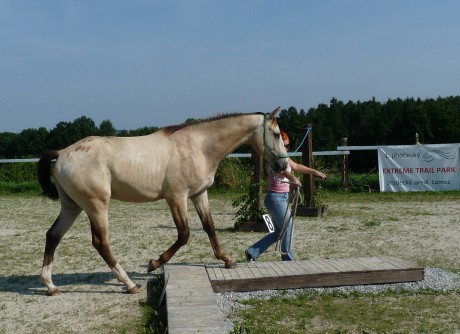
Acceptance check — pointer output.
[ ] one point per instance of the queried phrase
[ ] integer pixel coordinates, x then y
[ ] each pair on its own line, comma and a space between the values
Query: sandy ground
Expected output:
425, 231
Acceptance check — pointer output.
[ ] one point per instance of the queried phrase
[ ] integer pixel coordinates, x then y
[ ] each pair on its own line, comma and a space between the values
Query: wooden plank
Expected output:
393, 262
226, 274
279, 272
309, 267
190, 303
211, 274
268, 266
325, 266
218, 273
373, 263
400, 262
297, 270
244, 273
388, 265
368, 265
351, 265
363, 267
281, 268
188, 294
338, 265
233, 273
264, 270
255, 270
314, 273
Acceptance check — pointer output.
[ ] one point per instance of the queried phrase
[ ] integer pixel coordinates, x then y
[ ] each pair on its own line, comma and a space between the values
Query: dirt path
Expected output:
93, 302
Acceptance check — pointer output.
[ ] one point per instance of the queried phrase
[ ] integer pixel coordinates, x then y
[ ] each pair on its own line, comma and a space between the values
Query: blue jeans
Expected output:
277, 204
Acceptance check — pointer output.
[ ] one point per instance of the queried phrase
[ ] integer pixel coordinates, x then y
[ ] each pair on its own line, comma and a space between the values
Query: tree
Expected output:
106, 128
7, 141
31, 143
65, 133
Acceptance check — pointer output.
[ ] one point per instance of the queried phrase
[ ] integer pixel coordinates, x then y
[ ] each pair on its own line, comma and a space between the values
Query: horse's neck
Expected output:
228, 134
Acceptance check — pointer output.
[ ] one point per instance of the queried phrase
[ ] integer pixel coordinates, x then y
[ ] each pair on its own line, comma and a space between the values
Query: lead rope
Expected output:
304, 137
294, 194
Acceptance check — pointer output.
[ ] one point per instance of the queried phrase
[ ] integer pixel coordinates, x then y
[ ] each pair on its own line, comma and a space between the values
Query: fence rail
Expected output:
7, 161
232, 155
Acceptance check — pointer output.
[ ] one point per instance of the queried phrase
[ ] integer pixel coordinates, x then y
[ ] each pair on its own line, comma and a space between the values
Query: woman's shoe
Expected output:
248, 256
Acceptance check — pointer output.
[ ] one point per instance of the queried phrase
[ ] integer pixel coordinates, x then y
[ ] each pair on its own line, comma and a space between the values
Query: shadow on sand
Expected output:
74, 282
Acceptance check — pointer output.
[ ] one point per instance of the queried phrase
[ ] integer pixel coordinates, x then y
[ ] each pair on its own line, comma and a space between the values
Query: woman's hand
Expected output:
321, 175
293, 179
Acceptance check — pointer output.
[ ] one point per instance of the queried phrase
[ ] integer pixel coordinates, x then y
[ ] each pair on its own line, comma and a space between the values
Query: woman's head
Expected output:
285, 138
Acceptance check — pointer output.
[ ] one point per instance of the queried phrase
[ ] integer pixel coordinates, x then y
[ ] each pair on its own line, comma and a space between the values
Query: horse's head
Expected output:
275, 153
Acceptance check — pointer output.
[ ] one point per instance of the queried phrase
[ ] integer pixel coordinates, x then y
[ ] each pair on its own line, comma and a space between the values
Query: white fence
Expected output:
232, 155
7, 161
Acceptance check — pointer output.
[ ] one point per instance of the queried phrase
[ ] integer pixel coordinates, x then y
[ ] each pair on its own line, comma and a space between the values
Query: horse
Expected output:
175, 163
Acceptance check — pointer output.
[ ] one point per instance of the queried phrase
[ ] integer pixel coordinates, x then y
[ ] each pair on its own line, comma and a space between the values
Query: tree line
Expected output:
32, 143
394, 122
371, 123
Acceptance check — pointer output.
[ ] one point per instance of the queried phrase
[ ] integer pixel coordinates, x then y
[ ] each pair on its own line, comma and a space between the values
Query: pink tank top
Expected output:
276, 182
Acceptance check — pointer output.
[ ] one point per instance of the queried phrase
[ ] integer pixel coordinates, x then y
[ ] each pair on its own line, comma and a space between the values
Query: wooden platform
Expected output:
312, 273
192, 307
190, 302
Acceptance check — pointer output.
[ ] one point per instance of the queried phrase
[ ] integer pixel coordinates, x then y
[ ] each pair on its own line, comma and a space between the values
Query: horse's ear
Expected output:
272, 115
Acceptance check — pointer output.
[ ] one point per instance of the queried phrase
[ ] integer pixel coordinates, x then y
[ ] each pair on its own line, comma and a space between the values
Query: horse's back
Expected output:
125, 168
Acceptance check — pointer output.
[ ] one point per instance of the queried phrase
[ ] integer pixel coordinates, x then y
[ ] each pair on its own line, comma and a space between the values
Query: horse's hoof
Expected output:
53, 292
230, 265
135, 289
153, 265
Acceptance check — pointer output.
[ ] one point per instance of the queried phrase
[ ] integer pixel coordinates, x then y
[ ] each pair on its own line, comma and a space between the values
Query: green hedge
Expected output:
233, 174
19, 177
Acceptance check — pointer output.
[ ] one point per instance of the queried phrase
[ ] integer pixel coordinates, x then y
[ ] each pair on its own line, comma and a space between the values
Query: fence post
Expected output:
257, 162
344, 142
307, 160
308, 185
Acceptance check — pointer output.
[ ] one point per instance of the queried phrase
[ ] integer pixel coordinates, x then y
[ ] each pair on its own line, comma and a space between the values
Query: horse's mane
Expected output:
169, 130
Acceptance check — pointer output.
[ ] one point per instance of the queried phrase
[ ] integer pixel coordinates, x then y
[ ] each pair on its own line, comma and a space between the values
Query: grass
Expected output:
154, 320
372, 223
386, 312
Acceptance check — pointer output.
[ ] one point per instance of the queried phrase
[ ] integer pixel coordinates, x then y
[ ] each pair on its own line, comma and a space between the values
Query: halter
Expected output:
271, 150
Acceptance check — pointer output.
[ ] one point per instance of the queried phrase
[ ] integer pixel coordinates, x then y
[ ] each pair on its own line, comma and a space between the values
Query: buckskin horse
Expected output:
176, 163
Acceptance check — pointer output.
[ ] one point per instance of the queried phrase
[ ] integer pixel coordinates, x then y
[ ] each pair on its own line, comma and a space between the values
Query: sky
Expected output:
144, 63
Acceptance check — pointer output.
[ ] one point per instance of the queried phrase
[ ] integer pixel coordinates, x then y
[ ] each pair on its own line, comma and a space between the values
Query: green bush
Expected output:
18, 172
247, 206
27, 187
19, 177
233, 173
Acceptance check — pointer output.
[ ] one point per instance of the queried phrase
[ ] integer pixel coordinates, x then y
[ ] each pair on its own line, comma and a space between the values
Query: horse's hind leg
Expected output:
178, 209
69, 212
100, 240
202, 207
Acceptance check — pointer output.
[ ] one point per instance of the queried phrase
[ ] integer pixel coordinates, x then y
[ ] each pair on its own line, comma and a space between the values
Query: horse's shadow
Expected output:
74, 282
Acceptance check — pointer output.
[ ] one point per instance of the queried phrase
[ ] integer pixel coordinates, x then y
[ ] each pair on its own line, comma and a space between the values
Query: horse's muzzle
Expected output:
280, 165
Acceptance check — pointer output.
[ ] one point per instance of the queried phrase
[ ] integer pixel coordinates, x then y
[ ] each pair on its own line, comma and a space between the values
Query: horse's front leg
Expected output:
178, 209
201, 203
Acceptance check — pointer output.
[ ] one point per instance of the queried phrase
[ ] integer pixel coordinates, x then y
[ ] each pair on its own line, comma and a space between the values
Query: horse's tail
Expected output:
44, 175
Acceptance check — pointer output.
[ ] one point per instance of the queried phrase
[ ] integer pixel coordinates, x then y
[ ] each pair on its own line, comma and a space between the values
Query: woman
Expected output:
277, 203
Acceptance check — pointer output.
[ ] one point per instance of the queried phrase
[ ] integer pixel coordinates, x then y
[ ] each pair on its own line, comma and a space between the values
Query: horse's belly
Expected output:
134, 193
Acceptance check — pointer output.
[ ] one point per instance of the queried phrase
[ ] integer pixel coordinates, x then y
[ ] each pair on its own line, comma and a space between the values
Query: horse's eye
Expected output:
277, 136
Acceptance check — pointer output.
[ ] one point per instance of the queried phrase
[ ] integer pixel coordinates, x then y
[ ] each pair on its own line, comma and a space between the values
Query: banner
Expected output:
419, 168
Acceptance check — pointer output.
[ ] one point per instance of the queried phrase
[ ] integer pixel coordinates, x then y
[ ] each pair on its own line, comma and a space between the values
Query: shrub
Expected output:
233, 173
